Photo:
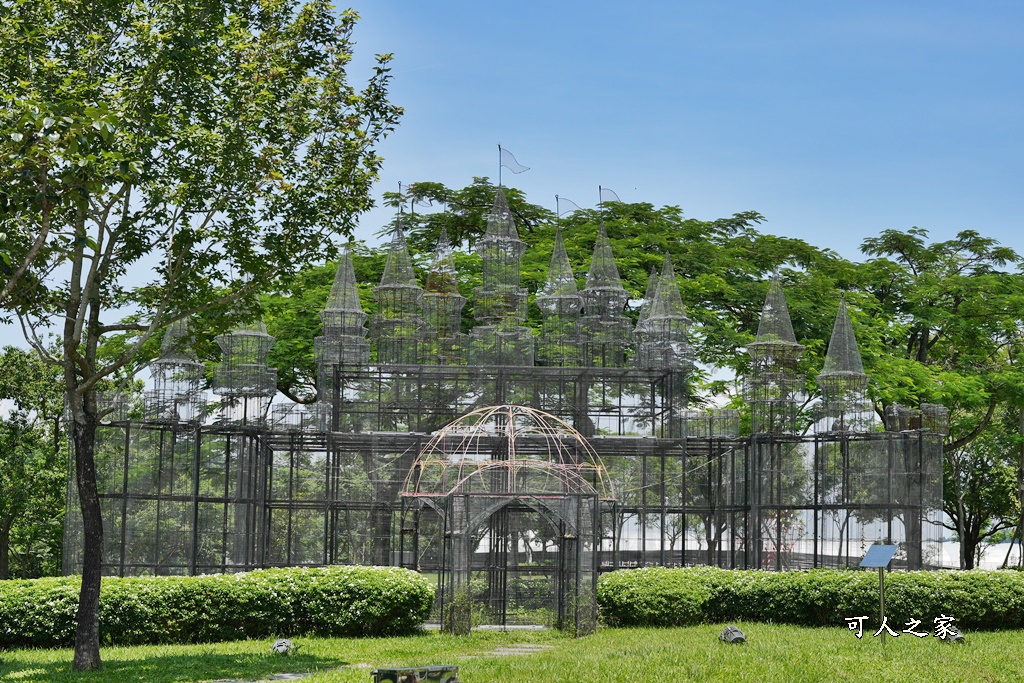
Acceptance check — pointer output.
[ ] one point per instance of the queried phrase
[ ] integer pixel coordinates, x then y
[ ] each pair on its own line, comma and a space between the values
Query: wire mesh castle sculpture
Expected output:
513, 467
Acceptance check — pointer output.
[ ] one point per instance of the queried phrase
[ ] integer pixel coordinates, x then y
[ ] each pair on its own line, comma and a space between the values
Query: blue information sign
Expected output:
879, 556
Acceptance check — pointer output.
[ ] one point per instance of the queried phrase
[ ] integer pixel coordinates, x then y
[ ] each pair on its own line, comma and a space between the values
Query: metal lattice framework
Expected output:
177, 378
487, 489
607, 331
560, 304
442, 304
843, 382
244, 380
398, 328
514, 478
499, 304
775, 388
663, 325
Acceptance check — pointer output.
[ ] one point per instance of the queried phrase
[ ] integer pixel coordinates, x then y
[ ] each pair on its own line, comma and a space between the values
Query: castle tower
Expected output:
774, 389
653, 279
605, 328
500, 303
560, 305
243, 378
843, 383
397, 327
343, 341
177, 376
661, 331
442, 304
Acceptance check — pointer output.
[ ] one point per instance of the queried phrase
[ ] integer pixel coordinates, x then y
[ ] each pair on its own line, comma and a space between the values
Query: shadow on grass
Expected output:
166, 668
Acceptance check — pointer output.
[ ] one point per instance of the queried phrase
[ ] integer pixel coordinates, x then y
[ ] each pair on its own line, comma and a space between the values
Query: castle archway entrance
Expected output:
504, 507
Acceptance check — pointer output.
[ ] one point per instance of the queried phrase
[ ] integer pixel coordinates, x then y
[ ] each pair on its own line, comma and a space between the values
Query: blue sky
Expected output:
834, 120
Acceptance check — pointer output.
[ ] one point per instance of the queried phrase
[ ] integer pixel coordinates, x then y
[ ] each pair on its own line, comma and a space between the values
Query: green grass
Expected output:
787, 654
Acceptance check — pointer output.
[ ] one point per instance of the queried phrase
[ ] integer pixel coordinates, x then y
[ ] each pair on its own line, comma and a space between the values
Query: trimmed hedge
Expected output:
330, 601
651, 597
823, 597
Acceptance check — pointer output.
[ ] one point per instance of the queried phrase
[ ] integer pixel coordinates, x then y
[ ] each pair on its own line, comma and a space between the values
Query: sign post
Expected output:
880, 556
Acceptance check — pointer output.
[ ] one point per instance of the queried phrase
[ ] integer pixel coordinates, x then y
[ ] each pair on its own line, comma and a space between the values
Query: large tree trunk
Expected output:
968, 549
5, 545
87, 636
965, 556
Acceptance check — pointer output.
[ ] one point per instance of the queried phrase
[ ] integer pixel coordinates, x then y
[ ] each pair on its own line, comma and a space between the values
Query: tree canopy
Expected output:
165, 160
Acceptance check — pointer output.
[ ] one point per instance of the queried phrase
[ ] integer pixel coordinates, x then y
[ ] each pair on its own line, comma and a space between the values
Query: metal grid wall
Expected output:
186, 490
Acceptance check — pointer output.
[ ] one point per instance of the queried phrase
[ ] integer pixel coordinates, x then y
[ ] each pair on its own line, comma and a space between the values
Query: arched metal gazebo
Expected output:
504, 505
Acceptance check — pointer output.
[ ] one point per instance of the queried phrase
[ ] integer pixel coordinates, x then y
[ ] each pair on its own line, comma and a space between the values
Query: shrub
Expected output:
331, 601
822, 597
653, 596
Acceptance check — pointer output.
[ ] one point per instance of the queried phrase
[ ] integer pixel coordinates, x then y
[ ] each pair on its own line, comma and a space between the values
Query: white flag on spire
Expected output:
509, 161
608, 195
569, 205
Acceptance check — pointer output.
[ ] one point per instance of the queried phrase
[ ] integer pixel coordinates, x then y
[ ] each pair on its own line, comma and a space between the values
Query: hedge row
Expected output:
332, 601
676, 597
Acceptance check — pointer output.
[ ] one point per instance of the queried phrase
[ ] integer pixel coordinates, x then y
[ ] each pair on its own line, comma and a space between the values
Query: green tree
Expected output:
725, 264
944, 319
463, 212
981, 484
33, 465
163, 159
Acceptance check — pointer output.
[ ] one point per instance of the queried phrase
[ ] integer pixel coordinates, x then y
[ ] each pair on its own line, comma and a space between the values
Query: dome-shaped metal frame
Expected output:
508, 450
480, 479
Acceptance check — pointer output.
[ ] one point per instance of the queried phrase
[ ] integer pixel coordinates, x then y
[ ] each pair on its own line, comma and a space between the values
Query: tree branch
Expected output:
122, 327
294, 398
973, 434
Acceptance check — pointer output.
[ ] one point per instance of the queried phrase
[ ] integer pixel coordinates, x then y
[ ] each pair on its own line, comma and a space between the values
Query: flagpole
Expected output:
499, 164
398, 218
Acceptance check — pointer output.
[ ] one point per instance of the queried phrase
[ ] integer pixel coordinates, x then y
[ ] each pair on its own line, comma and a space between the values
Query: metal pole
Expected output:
881, 599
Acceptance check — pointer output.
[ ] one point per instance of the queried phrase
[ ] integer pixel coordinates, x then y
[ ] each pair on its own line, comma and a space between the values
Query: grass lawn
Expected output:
773, 653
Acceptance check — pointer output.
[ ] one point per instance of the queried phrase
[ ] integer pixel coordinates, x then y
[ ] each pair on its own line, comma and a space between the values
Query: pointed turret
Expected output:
176, 343
499, 303
843, 357
397, 327
661, 334
344, 296
442, 277
398, 270
344, 338
244, 377
775, 324
177, 377
603, 275
606, 329
653, 280
775, 330
343, 341
560, 305
500, 224
499, 297
842, 380
668, 303
560, 281
774, 388
442, 305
